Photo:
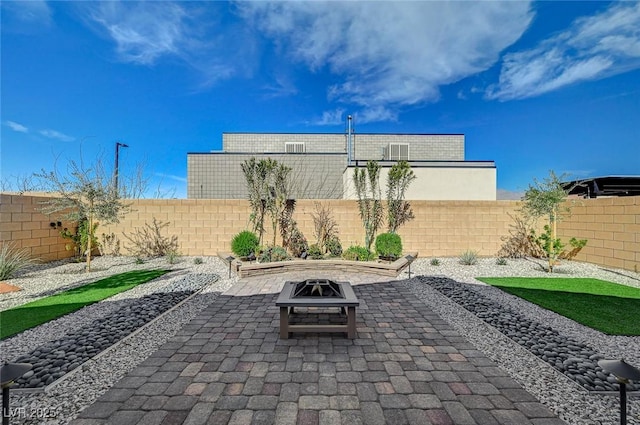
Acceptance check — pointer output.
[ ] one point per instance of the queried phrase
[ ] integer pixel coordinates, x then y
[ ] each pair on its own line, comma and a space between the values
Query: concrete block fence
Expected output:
205, 227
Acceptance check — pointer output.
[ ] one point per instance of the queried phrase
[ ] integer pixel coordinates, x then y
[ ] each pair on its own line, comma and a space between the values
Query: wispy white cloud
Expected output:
53, 134
146, 32
16, 127
334, 117
282, 86
143, 32
592, 48
387, 55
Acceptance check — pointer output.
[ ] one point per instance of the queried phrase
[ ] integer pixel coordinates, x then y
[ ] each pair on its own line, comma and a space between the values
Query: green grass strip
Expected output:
605, 306
26, 316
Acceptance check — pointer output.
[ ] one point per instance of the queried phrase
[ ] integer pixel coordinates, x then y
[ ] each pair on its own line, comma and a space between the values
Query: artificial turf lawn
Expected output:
35, 313
601, 305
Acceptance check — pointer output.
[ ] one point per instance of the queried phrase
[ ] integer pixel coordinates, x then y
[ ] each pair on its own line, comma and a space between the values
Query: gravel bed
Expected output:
54, 359
565, 397
60, 402
574, 359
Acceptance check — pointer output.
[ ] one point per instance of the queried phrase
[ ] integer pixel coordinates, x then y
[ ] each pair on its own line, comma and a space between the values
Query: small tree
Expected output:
547, 199
256, 173
268, 188
83, 195
277, 204
399, 179
366, 181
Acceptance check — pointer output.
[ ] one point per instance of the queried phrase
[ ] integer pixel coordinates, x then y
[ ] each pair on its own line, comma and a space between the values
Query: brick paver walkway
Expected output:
407, 366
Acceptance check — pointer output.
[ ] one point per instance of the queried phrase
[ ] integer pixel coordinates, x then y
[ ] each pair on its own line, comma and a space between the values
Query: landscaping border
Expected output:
248, 269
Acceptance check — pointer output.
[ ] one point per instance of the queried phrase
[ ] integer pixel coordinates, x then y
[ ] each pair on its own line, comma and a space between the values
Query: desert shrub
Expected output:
334, 247
357, 253
13, 260
519, 243
197, 261
325, 226
297, 242
315, 252
149, 241
172, 257
244, 243
501, 261
435, 262
79, 241
468, 258
273, 254
551, 246
389, 245
110, 245
576, 247
139, 260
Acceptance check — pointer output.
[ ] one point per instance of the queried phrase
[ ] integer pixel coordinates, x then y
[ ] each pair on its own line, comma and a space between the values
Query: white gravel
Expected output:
563, 396
60, 402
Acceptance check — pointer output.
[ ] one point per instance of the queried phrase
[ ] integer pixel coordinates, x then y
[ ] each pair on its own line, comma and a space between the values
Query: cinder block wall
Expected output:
22, 223
441, 228
612, 227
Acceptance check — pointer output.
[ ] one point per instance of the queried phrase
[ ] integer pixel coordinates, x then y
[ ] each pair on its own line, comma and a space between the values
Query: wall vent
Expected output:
294, 147
398, 152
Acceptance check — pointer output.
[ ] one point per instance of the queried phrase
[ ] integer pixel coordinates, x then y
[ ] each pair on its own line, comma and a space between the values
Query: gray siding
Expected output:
431, 147
219, 175
269, 143
422, 147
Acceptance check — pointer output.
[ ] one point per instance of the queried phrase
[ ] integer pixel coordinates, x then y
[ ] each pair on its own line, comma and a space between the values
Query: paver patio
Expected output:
406, 366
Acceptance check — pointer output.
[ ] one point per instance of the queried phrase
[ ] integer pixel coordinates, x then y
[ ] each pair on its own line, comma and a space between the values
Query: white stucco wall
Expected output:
439, 184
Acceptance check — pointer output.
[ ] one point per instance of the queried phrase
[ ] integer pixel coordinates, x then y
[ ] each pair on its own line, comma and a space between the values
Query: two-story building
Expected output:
322, 165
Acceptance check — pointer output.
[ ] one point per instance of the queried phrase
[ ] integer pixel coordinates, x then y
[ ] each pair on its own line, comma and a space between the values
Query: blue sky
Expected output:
534, 86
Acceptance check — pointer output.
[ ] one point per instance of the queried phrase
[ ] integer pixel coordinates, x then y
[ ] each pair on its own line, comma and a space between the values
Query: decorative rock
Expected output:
580, 361
56, 358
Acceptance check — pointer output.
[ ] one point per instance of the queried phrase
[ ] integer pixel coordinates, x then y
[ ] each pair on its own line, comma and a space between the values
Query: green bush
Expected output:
357, 253
244, 243
12, 260
273, 254
389, 245
314, 252
435, 262
501, 261
334, 247
197, 260
468, 258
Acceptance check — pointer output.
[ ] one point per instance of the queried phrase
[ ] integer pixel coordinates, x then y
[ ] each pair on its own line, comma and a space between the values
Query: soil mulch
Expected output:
5, 287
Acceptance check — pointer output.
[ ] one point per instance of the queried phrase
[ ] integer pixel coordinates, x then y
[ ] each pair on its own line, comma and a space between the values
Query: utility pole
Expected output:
115, 168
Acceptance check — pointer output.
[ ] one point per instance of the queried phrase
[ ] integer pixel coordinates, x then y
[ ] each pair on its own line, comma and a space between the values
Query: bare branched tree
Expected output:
83, 194
304, 185
325, 226
20, 184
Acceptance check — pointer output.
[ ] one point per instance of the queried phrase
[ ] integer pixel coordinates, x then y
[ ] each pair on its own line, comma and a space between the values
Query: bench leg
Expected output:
284, 323
351, 322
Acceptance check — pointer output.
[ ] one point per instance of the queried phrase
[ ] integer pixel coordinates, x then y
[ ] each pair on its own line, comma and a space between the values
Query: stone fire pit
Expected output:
318, 293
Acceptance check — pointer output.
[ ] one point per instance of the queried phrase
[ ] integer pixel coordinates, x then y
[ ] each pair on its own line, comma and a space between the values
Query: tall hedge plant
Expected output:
367, 185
